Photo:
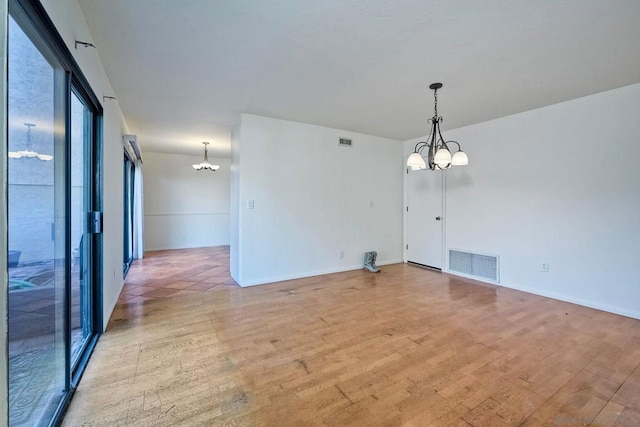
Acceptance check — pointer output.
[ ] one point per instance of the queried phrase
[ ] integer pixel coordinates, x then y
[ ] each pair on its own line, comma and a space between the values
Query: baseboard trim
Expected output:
634, 314
313, 273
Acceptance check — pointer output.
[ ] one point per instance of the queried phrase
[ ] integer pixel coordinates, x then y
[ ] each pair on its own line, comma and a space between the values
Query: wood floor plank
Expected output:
406, 346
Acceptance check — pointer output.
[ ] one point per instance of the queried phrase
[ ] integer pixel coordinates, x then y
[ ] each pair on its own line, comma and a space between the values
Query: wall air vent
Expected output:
345, 142
474, 265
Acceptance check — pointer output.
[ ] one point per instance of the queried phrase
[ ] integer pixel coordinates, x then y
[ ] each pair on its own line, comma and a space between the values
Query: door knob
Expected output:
437, 218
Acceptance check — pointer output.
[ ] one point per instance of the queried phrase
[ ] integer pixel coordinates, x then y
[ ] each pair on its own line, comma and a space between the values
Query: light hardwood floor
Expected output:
406, 346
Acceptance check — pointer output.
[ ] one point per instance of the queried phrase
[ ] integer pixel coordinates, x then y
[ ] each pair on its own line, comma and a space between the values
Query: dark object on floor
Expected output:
370, 261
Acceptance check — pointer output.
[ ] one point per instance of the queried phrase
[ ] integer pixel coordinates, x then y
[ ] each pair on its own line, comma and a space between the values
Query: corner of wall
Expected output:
234, 208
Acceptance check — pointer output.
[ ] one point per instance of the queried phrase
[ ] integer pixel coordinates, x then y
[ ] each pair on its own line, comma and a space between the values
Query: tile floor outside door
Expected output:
169, 273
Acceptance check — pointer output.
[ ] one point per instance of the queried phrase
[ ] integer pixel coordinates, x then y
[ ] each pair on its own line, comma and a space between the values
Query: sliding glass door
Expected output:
128, 180
54, 220
81, 208
37, 222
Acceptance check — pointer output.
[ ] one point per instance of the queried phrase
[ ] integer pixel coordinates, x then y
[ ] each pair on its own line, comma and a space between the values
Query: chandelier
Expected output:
205, 165
28, 153
438, 156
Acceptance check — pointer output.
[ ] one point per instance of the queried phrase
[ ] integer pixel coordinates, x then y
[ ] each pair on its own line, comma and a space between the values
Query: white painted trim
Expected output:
405, 218
579, 301
314, 273
635, 314
468, 276
186, 213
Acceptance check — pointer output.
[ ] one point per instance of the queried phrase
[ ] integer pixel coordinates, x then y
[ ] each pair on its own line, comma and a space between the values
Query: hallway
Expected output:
171, 273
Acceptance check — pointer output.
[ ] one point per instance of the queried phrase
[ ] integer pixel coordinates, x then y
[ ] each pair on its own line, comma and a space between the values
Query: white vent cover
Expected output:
475, 265
345, 142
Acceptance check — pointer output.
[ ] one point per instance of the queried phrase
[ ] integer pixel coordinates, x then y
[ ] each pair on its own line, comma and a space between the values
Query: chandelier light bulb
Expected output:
442, 157
416, 162
460, 159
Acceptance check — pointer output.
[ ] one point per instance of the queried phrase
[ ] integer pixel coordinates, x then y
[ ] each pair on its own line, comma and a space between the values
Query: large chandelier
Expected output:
205, 165
438, 157
28, 152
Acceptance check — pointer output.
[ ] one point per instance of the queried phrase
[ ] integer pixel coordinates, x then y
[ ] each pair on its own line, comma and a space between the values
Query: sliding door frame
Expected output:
34, 21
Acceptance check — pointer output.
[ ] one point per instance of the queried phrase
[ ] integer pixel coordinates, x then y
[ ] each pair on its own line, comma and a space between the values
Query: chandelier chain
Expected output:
435, 102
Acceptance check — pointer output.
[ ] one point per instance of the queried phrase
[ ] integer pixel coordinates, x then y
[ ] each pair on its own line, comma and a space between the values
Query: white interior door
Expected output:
424, 217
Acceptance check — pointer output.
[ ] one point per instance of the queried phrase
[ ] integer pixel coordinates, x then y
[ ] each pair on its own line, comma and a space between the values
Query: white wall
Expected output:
183, 207
311, 200
560, 184
70, 23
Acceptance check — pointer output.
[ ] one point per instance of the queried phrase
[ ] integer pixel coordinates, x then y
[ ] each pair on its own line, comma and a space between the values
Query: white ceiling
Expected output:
184, 70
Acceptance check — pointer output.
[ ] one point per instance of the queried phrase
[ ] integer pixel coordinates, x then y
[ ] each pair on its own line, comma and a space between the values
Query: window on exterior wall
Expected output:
54, 220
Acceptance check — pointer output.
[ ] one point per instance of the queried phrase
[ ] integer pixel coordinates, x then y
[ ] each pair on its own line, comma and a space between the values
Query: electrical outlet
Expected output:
250, 204
544, 266
340, 254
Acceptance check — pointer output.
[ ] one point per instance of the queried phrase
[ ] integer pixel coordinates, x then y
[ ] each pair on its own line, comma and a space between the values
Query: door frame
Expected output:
443, 222
93, 181
128, 208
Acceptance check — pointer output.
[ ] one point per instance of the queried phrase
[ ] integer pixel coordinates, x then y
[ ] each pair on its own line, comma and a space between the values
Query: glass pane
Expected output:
128, 212
36, 215
80, 239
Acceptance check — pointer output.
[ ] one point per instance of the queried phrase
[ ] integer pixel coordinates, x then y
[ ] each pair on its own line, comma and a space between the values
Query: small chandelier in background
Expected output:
438, 156
205, 165
29, 152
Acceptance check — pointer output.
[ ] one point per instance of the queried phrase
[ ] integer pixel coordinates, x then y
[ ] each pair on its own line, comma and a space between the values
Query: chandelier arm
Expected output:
444, 143
423, 144
431, 155
455, 142
420, 146
432, 131
433, 144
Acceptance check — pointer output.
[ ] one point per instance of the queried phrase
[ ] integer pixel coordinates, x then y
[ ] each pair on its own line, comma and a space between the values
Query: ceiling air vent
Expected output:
345, 142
